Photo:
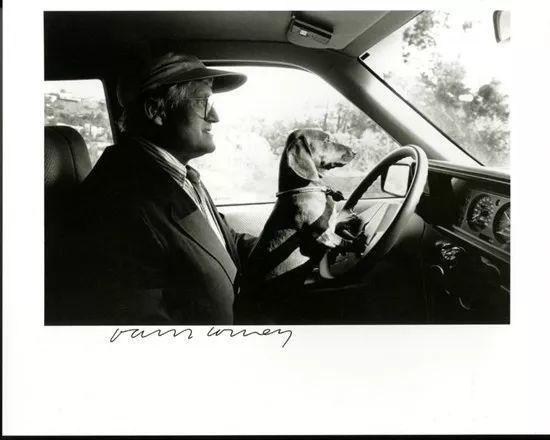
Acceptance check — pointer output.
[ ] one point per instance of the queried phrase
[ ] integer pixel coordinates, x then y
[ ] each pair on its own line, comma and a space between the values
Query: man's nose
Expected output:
212, 116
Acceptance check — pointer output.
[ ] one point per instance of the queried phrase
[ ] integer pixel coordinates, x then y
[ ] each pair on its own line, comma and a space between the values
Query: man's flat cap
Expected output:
170, 69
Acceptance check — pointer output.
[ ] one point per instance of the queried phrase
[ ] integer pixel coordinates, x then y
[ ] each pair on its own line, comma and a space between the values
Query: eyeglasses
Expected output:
203, 105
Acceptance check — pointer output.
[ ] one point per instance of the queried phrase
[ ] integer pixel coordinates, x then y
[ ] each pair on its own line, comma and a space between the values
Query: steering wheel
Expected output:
379, 226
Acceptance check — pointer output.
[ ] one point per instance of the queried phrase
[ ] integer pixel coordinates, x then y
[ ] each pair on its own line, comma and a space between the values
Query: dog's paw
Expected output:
349, 227
357, 245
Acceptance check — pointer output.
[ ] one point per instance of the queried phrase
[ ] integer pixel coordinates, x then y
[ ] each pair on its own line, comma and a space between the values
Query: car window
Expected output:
255, 121
80, 104
451, 68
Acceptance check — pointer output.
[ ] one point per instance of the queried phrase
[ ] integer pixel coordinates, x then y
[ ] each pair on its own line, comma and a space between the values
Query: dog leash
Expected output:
335, 194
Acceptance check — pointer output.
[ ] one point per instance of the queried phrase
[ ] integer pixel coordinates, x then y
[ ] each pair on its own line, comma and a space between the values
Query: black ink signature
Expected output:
232, 333
136, 333
213, 331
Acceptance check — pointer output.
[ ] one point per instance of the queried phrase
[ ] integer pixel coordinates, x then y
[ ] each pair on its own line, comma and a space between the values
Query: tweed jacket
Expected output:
143, 253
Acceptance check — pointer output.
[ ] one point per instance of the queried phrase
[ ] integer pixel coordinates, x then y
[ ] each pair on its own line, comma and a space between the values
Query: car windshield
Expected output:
450, 67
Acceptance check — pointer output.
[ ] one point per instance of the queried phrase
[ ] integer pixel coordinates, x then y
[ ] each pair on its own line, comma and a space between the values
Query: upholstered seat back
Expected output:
66, 160
66, 165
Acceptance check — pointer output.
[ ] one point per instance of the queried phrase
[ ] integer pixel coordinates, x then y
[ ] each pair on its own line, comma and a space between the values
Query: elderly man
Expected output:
151, 246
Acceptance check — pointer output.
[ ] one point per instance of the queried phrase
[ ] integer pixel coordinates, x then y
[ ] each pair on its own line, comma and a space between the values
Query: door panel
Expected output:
251, 218
247, 218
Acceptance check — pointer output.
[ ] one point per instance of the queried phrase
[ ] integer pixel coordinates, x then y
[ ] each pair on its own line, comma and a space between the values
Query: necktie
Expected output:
208, 210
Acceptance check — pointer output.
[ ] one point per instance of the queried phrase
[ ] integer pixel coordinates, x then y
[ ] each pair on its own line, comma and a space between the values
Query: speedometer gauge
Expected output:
480, 212
501, 225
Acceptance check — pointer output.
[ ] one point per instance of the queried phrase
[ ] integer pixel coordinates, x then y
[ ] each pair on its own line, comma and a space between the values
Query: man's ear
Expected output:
299, 158
154, 111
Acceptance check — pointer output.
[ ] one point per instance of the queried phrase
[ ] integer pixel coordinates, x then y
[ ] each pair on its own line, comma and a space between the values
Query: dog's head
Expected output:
310, 151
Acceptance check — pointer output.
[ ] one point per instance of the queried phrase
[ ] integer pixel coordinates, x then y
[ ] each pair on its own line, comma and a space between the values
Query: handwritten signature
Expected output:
135, 333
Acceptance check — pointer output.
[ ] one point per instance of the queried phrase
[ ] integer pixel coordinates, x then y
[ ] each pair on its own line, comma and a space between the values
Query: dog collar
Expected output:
336, 195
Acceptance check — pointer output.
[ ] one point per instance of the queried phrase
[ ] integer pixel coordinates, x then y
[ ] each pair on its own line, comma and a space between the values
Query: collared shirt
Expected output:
182, 176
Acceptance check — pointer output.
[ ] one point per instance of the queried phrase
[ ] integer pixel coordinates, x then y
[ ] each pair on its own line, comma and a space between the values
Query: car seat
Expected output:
66, 165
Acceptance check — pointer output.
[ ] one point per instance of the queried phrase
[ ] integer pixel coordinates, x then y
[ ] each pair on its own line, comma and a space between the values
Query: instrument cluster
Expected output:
487, 216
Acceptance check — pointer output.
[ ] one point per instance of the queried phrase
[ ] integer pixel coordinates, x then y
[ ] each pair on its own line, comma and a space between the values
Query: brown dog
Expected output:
301, 225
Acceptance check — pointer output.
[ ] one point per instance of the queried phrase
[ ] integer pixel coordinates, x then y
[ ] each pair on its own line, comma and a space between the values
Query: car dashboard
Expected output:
466, 245
485, 217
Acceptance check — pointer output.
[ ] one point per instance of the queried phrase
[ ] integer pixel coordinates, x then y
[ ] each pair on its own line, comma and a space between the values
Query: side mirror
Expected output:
501, 23
396, 179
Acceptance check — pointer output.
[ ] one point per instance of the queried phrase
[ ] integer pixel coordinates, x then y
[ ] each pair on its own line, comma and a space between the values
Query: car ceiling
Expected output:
95, 37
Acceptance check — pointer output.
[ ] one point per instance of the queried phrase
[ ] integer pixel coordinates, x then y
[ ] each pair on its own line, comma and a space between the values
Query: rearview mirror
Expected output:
396, 179
501, 22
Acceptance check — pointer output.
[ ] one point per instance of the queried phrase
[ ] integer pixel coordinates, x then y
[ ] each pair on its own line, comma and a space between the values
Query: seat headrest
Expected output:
66, 160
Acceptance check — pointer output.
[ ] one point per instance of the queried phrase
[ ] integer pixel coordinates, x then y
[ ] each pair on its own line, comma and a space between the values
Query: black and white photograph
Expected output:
281, 167
295, 219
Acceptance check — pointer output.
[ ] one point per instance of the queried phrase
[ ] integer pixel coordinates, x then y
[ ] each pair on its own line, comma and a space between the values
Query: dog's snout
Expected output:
349, 153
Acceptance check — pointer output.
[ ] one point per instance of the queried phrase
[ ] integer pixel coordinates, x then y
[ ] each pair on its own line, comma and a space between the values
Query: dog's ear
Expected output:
299, 158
